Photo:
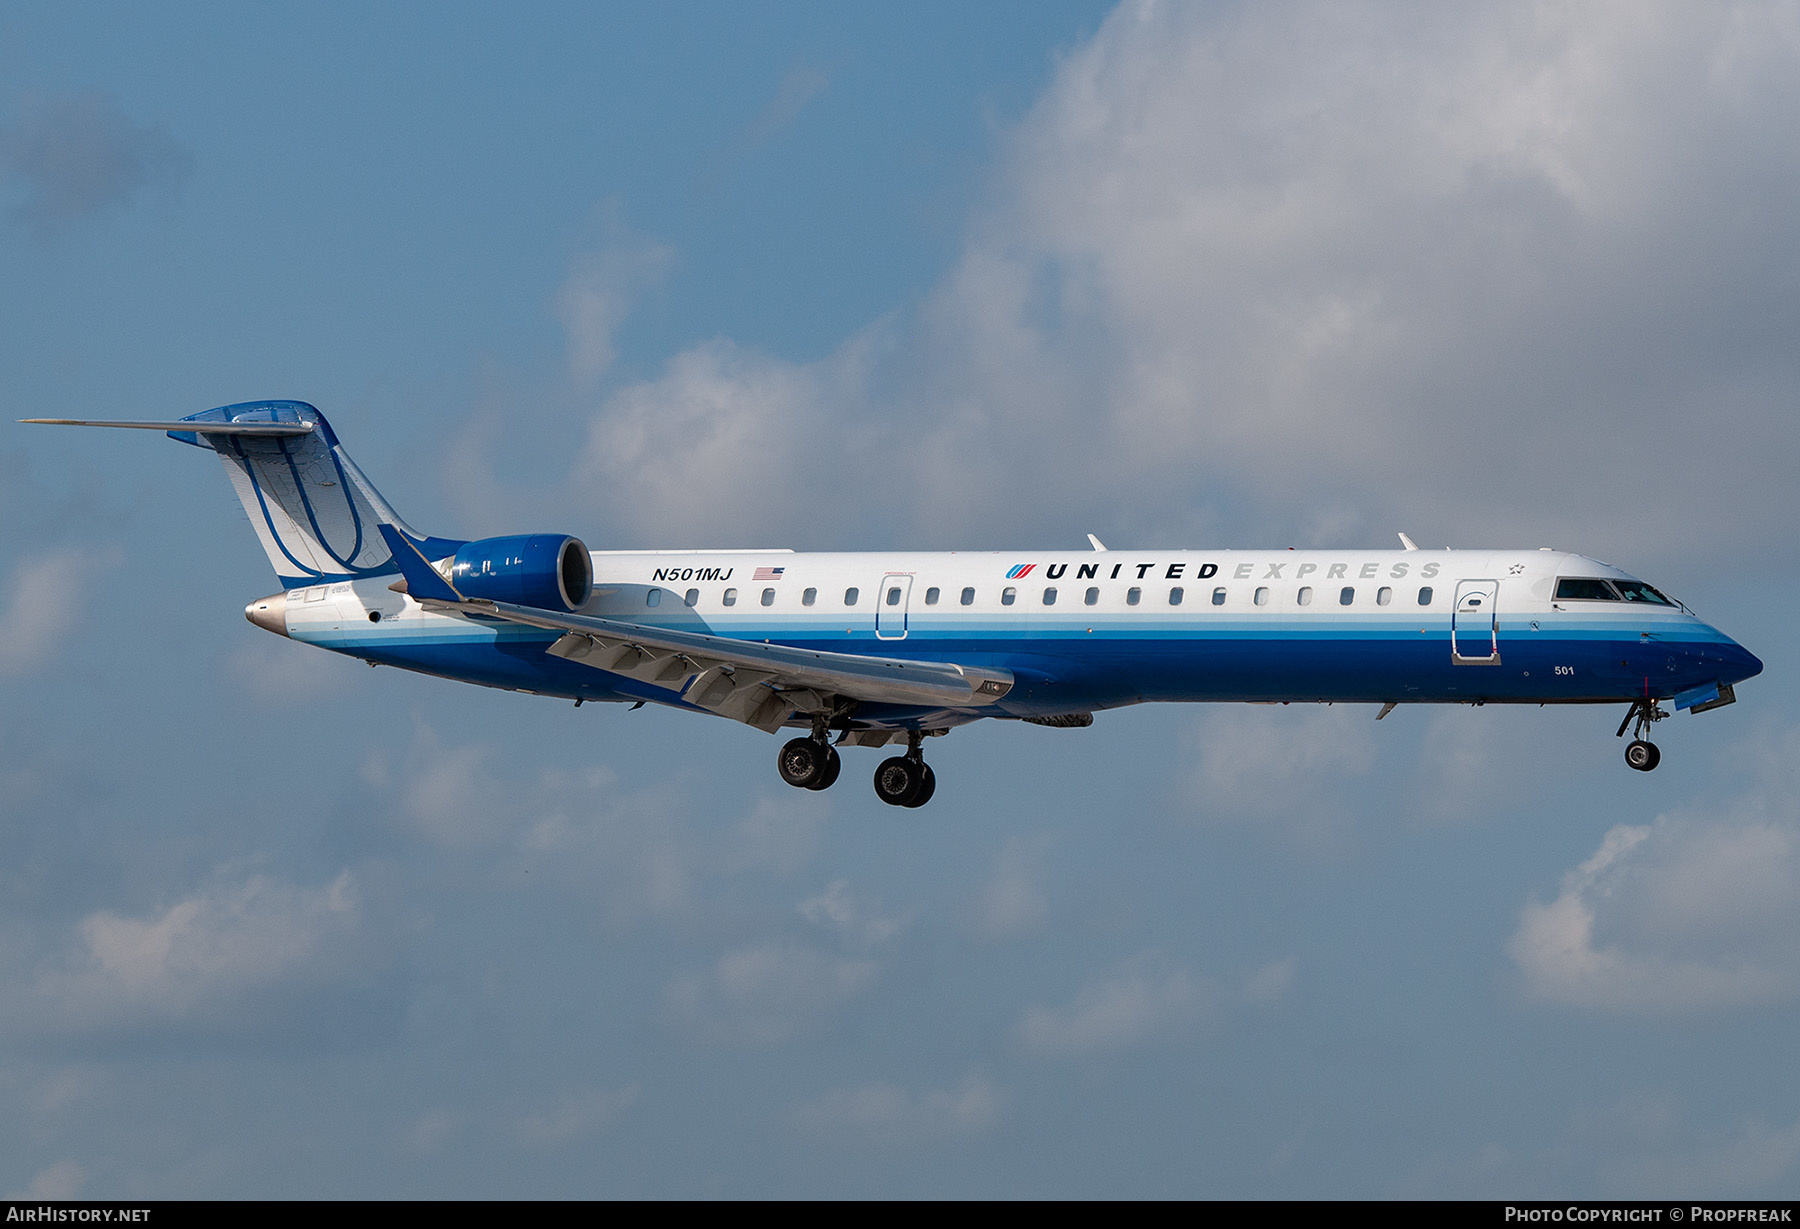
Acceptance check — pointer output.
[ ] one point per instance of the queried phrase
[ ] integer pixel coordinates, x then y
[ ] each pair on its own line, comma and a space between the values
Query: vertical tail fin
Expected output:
316, 514
318, 517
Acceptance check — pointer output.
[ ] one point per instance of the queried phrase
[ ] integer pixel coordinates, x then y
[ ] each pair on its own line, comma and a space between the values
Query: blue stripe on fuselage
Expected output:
1063, 665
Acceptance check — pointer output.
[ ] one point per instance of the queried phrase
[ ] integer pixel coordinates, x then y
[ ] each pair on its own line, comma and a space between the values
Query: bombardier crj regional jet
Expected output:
887, 649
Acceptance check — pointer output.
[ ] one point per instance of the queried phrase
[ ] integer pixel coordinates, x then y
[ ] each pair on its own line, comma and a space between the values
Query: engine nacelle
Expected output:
551, 571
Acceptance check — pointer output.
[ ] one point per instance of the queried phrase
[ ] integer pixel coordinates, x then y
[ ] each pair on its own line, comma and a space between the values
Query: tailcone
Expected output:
269, 613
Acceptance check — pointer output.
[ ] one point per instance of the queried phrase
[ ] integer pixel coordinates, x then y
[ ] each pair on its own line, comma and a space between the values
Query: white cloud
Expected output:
602, 287
721, 443
1292, 768
890, 1115
42, 604
1312, 271
765, 994
78, 155
288, 672
1271, 984
1697, 911
1136, 1002
62, 1180
576, 1114
1013, 904
859, 924
780, 835
225, 957
632, 856
431, 1130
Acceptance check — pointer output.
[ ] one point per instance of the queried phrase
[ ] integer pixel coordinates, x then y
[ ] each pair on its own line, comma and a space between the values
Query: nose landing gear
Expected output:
1640, 753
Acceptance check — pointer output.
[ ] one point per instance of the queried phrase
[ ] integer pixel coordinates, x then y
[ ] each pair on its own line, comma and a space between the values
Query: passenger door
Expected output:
1475, 624
891, 598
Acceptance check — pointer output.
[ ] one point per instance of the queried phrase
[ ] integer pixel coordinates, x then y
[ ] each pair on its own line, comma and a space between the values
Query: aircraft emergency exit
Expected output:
895, 648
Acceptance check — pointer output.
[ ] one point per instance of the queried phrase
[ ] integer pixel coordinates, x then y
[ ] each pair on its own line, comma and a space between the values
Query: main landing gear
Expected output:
906, 780
903, 781
1639, 753
809, 763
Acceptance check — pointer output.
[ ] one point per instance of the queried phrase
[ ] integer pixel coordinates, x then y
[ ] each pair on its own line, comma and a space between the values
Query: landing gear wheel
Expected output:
927, 786
1642, 756
899, 781
834, 764
804, 762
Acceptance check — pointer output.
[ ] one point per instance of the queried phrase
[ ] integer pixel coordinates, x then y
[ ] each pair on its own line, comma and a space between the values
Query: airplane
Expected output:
885, 649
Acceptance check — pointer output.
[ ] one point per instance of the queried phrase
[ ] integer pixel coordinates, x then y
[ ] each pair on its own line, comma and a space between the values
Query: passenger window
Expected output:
893, 597
1383, 595
731, 597
1092, 597
653, 598
850, 596
1175, 596
1218, 597
1346, 595
1305, 595
693, 597
931, 597
1132, 595
1050, 596
1262, 596
968, 597
809, 597
1425, 596
768, 597
1584, 589
1008, 596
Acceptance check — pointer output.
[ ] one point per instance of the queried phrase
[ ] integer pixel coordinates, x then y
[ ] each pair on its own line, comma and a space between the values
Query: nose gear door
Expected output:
1475, 624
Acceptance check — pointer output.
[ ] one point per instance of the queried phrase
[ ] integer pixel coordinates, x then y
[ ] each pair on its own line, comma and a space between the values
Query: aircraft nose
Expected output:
1738, 663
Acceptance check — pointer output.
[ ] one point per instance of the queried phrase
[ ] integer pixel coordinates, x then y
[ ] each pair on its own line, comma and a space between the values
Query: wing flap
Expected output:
756, 683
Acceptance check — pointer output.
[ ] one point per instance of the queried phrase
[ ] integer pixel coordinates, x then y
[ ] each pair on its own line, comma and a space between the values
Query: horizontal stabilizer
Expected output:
189, 426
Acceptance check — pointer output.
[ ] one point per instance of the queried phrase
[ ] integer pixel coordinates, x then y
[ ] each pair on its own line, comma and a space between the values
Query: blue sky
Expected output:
836, 277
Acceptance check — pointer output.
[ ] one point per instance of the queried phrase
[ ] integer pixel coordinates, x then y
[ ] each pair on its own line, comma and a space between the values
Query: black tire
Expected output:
898, 781
927, 786
802, 762
1642, 756
834, 763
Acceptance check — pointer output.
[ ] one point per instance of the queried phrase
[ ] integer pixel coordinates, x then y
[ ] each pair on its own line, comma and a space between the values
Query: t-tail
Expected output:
318, 517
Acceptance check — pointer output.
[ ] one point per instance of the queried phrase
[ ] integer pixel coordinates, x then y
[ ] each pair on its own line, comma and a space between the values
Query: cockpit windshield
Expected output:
1598, 589
1584, 589
1638, 591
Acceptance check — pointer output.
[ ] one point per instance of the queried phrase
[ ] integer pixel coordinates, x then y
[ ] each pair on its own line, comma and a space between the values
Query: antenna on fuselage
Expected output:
1408, 543
1098, 544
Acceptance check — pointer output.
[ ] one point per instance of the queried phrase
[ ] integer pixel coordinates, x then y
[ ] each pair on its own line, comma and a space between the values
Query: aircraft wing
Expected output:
760, 684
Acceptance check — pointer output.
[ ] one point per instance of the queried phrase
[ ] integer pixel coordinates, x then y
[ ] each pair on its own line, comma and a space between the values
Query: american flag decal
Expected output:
767, 574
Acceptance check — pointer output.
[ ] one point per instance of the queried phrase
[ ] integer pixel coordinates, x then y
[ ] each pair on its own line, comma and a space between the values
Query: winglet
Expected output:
1098, 544
422, 580
1408, 543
